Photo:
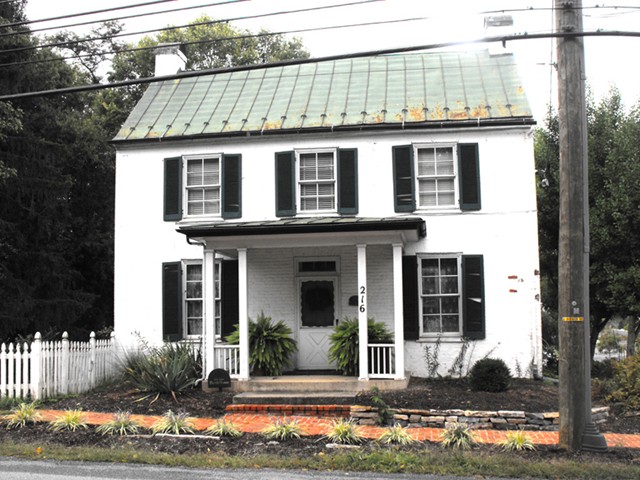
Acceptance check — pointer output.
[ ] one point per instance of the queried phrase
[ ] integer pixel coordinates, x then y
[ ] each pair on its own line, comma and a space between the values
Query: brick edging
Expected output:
285, 409
477, 419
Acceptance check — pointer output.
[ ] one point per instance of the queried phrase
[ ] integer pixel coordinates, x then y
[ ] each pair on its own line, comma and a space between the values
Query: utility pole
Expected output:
577, 431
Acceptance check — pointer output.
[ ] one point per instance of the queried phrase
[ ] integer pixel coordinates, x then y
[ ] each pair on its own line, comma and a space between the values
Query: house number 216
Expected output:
362, 307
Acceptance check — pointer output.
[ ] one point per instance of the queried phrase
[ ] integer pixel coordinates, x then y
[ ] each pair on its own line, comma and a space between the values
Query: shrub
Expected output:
222, 428
282, 430
459, 437
517, 442
174, 423
345, 432
172, 368
604, 369
70, 420
396, 435
625, 385
270, 345
344, 342
383, 409
22, 415
121, 424
490, 375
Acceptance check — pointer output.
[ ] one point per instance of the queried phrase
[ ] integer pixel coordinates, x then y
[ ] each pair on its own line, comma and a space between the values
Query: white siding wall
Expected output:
504, 231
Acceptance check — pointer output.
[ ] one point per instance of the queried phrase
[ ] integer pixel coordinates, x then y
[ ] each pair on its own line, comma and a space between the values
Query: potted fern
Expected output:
270, 345
343, 346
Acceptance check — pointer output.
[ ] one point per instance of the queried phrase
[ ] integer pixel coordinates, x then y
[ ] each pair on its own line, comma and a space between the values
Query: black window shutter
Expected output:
469, 176
285, 184
410, 301
348, 181
403, 179
172, 301
229, 302
231, 186
473, 323
172, 189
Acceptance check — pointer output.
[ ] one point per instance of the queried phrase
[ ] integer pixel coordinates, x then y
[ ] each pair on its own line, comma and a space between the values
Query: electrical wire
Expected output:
195, 24
82, 14
114, 19
262, 66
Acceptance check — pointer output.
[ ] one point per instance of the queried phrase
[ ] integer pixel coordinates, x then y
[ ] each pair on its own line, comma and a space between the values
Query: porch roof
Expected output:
298, 225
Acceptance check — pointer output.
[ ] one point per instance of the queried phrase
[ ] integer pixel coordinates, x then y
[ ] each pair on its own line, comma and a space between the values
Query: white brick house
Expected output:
397, 187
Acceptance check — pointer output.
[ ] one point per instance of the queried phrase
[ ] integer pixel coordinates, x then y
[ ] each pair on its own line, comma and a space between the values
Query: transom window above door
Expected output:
317, 181
202, 186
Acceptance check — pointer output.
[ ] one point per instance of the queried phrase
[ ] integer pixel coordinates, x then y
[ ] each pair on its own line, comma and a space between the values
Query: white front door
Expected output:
317, 314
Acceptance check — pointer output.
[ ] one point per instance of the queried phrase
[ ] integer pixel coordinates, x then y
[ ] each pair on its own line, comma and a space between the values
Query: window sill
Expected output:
441, 339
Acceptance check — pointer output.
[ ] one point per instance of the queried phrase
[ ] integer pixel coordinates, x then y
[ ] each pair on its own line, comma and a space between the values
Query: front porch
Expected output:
311, 274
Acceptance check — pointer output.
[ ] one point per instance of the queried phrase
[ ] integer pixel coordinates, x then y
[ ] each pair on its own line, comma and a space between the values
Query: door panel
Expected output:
317, 318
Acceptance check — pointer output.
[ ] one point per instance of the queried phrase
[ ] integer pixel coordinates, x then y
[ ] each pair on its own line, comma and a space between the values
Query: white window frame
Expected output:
185, 299
300, 182
422, 295
454, 176
301, 260
186, 188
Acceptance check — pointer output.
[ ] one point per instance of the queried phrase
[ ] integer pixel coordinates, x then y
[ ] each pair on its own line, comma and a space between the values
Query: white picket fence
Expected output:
49, 368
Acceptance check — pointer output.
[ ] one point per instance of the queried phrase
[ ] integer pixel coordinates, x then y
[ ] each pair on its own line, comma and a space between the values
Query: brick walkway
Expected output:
252, 422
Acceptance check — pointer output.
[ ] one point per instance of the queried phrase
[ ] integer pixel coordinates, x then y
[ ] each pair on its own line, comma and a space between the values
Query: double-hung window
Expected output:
443, 295
202, 175
317, 181
436, 175
440, 295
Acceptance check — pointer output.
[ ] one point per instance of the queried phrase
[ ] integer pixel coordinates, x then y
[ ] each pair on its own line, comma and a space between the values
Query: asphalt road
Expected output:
17, 469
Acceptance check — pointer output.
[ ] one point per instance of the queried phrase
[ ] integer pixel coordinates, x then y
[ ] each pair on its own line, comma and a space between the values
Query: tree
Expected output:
614, 173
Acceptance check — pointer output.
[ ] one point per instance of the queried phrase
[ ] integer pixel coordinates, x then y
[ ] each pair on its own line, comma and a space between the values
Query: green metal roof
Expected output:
401, 89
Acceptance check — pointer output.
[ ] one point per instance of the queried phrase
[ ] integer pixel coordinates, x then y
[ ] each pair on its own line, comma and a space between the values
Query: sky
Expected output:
606, 58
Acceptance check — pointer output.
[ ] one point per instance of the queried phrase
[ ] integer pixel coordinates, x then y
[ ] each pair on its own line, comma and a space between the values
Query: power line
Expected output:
195, 24
82, 14
198, 42
262, 66
113, 19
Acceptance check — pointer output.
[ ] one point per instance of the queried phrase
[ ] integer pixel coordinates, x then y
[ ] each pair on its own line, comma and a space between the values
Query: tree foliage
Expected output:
614, 173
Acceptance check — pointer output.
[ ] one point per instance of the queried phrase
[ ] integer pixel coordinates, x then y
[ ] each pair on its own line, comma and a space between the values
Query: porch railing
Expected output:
382, 360
227, 357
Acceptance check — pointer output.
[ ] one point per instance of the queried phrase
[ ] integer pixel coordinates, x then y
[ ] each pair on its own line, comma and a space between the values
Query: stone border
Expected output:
493, 420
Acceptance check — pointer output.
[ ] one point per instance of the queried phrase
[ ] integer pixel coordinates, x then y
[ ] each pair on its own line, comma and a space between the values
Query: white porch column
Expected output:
398, 311
363, 338
208, 327
243, 314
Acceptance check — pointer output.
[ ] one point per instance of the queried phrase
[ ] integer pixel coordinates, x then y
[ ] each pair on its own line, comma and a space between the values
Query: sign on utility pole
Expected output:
576, 428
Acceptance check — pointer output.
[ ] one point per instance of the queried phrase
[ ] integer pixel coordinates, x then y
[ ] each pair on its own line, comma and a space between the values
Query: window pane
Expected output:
430, 305
426, 162
449, 285
194, 290
450, 323
194, 326
309, 190
211, 172
195, 195
449, 304
194, 309
449, 266
444, 161
431, 324
308, 204
194, 272
195, 209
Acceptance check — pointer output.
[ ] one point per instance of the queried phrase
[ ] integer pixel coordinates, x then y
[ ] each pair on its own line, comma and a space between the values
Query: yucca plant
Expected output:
222, 428
396, 435
345, 432
22, 415
343, 346
172, 368
459, 437
270, 345
284, 429
69, 421
174, 423
121, 424
517, 442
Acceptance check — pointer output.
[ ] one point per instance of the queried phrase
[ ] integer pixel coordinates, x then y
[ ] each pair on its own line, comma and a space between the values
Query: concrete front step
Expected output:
315, 384
295, 398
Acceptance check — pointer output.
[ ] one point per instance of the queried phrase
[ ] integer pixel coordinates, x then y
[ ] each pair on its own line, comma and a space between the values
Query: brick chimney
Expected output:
169, 59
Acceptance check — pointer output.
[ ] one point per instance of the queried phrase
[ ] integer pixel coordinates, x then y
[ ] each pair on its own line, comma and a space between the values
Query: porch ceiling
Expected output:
413, 228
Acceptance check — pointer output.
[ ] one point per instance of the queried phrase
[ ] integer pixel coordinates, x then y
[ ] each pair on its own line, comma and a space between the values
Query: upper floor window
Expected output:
436, 176
202, 186
317, 181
